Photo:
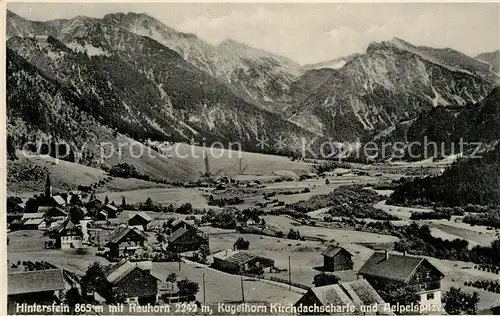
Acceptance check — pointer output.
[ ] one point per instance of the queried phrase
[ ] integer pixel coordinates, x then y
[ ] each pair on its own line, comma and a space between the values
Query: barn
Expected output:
135, 282
336, 258
237, 261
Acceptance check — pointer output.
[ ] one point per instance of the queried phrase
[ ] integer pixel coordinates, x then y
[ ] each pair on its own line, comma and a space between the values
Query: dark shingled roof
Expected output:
179, 223
362, 293
396, 267
68, 227
120, 232
142, 215
332, 251
178, 233
183, 230
122, 269
356, 293
331, 295
35, 281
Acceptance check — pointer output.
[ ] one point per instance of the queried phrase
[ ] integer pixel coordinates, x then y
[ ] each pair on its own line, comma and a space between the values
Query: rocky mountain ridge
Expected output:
137, 76
391, 82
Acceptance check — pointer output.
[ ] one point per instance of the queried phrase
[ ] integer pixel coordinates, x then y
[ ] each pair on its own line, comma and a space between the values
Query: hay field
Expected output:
224, 287
164, 196
285, 223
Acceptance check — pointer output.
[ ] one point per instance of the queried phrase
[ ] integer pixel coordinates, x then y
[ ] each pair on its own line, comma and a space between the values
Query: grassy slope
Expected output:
185, 164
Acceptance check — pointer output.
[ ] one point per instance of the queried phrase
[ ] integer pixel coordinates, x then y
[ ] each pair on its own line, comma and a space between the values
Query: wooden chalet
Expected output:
39, 286
186, 239
236, 261
140, 218
135, 282
180, 223
386, 269
125, 241
336, 258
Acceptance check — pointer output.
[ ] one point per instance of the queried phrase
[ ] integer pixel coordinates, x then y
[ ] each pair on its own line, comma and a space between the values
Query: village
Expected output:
247, 247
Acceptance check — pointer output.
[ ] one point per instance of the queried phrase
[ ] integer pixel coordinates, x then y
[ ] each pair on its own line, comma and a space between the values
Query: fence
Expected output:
302, 286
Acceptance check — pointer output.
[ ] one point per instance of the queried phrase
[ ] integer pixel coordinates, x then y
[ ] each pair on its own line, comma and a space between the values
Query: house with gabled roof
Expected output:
111, 210
54, 212
134, 281
384, 269
58, 200
336, 258
180, 223
39, 286
101, 215
68, 235
186, 239
31, 220
35, 223
140, 218
345, 299
125, 241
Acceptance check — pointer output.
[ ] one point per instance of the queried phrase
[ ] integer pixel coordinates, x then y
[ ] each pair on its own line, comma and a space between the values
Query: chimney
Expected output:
404, 252
386, 255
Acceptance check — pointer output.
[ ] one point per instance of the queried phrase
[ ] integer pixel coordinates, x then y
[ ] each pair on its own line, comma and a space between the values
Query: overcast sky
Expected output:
308, 33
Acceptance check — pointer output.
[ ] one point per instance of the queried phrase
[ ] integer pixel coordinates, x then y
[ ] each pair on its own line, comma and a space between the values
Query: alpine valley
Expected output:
88, 80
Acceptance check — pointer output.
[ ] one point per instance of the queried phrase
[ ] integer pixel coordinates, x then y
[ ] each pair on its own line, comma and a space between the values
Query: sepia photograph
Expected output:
251, 158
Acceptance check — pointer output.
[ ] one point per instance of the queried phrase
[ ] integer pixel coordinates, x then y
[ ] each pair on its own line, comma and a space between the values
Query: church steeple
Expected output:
48, 187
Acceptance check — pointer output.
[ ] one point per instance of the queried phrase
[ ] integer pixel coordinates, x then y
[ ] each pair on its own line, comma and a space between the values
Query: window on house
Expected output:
430, 296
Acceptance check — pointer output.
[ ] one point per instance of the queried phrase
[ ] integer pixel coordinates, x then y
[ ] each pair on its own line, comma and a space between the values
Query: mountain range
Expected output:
491, 59
134, 84
448, 127
131, 74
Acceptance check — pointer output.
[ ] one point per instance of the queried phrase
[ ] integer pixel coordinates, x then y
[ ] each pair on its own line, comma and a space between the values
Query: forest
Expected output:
418, 240
467, 181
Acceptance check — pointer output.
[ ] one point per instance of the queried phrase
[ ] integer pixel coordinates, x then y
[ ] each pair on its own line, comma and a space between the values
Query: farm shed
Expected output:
236, 261
336, 258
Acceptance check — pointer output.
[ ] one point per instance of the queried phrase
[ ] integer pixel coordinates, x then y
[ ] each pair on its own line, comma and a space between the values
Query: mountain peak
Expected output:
395, 42
11, 14
229, 42
83, 18
140, 23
